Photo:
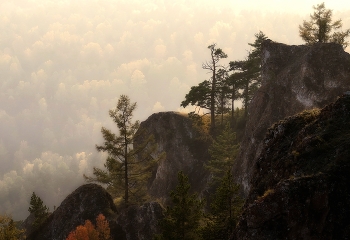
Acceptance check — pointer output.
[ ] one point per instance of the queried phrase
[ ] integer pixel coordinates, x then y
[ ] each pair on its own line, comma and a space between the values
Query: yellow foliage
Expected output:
8, 230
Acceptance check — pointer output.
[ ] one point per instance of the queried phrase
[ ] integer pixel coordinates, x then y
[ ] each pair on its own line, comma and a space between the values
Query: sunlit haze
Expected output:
64, 64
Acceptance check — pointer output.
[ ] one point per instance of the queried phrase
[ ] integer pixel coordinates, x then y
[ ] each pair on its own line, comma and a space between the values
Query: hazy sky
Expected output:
64, 64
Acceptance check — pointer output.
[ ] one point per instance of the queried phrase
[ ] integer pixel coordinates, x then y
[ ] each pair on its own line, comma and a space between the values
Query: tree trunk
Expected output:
233, 97
126, 172
246, 96
212, 98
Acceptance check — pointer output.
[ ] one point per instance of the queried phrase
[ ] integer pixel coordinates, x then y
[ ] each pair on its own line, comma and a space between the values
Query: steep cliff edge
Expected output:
301, 185
185, 148
294, 78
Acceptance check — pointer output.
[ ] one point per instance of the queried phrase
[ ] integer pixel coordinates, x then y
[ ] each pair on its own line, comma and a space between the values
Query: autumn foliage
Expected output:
88, 231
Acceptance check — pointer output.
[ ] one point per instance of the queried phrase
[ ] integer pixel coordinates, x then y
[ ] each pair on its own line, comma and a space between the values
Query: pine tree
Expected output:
246, 74
182, 218
223, 152
206, 94
224, 210
320, 27
130, 159
225, 204
216, 54
40, 211
198, 96
223, 93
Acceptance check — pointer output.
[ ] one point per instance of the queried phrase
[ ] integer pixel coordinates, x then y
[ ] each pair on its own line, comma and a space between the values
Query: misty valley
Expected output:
260, 149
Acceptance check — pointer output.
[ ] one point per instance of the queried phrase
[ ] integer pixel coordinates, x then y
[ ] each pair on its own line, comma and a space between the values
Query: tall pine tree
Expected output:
225, 207
223, 151
216, 54
40, 211
246, 74
182, 218
128, 167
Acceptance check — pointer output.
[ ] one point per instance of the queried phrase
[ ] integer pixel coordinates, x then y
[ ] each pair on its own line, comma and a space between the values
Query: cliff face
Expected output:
294, 78
301, 186
141, 222
185, 151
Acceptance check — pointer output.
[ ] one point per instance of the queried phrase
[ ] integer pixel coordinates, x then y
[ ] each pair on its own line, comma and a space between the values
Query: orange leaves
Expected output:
102, 227
89, 232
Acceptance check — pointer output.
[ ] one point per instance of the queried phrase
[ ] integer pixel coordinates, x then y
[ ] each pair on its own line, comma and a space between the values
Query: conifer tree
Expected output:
225, 203
40, 211
128, 167
223, 151
224, 209
198, 96
320, 27
182, 218
223, 93
246, 74
205, 94
216, 54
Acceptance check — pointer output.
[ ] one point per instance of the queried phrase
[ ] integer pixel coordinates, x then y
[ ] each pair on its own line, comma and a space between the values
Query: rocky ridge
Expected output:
294, 78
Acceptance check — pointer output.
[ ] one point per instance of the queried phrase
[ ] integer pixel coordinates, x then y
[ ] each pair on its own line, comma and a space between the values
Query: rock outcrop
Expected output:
294, 78
85, 203
141, 222
185, 150
301, 185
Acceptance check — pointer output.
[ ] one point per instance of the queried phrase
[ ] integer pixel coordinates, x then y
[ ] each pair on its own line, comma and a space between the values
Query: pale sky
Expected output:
64, 64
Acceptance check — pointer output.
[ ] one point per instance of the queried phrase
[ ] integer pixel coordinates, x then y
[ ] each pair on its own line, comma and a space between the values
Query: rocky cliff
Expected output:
294, 78
185, 148
300, 188
141, 222
85, 203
